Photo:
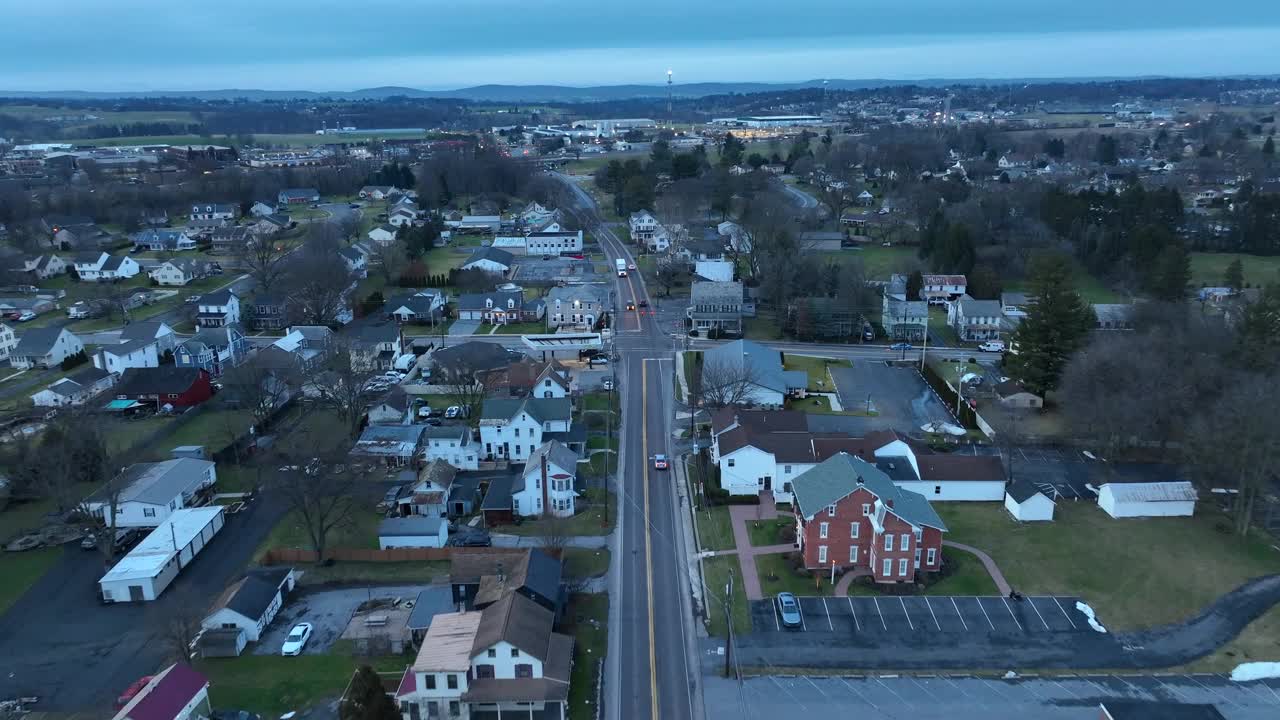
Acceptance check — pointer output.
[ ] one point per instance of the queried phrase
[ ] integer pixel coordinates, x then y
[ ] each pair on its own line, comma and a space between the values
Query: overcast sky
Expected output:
135, 45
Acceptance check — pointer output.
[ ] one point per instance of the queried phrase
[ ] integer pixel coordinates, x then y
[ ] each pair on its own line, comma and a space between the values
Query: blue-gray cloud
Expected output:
147, 44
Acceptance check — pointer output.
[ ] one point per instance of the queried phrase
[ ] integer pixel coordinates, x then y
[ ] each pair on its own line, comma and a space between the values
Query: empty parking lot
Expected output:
900, 397
948, 615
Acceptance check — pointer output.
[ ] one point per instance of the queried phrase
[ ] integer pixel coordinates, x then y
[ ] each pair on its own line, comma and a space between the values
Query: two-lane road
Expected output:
649, 672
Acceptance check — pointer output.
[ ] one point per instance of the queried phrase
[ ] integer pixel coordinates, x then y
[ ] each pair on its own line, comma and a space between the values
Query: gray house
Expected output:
976, 320
902, 319
716, 305
577, 305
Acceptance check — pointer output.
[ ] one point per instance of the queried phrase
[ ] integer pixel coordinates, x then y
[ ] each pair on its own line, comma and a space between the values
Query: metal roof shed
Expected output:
149, 568
1152, 499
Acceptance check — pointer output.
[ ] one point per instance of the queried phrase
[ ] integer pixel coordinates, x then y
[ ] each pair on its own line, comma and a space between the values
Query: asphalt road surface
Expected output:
649, 672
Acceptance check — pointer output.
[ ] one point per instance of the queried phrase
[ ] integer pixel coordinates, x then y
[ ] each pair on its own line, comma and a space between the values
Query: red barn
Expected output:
165, 385
851, 516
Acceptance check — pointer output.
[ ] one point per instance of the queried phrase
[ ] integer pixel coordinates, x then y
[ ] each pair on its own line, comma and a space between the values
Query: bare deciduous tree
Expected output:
266, 260
722, 384
318, 284
317, 485
388, 260
341, 386
465, 385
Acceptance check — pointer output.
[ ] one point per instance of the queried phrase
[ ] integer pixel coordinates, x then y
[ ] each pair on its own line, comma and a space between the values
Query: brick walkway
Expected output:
739, 516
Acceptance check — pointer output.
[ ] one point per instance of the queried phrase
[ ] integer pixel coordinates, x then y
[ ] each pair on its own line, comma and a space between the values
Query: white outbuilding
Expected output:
149, 568
1027, 503
414, 531
1154, 499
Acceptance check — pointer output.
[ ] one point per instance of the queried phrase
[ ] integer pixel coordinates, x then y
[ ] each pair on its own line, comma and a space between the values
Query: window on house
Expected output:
524, 670
455, 708
902, 567
515, 652
451, 681
730, 462
888, 541
937, 489
831, 510
822, 554
822, 530
853, 554
853, 530
932, 556
916, 533
888, 568
492, 652
431, 681
905, 543
866, 509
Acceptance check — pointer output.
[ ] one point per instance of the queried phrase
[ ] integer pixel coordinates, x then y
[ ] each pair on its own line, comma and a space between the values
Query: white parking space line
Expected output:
931, 612
865, 699
957, 607
1215, 692
966, 693
800, 609
824, 607
1033, 607
877, 602
776, 612
1023, 454
856, 624
1065, 614
1015, 617
984, 613
923, 688
895, 692
904, 612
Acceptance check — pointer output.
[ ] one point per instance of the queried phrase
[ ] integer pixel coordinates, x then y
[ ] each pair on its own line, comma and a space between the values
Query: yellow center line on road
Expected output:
648, 537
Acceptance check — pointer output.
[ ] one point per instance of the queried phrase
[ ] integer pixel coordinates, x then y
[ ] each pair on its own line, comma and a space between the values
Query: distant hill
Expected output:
544, 93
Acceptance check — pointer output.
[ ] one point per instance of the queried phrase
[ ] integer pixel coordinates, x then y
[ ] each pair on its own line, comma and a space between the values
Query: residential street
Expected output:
649, 672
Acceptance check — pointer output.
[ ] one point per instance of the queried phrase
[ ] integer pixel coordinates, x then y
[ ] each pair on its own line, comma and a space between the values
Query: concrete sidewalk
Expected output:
533, 541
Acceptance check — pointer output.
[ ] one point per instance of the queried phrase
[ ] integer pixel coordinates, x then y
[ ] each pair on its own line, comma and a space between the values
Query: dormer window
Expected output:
488, 303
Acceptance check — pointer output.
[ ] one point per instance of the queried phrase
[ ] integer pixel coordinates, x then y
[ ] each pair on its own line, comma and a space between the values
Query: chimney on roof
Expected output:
859, 479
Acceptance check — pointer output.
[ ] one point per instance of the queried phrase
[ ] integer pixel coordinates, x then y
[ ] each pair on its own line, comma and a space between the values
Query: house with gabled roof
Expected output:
546, 485
218, 309
500, 307
759, 368
98, 266
150, 492
577, 305
513, 428
298, 196
490, 260
45, 266
851, 516
452, 444
527, 377
44, 347
77, 388
976, 320
252, 602
162, 240
180, 271
176, 693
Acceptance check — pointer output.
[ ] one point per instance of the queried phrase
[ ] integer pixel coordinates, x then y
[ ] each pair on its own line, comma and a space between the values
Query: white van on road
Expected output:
992, 346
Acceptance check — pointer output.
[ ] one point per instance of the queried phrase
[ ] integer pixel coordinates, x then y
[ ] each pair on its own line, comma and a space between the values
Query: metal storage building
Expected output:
151, 566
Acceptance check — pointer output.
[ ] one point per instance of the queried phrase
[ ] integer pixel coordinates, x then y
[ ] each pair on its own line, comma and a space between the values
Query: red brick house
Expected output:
850, 515
179, 387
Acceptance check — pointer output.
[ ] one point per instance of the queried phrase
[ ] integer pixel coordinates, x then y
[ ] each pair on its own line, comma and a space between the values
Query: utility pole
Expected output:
959, 387
669, 121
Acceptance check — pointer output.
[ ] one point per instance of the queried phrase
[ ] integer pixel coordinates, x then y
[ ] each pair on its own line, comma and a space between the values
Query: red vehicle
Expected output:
132, 690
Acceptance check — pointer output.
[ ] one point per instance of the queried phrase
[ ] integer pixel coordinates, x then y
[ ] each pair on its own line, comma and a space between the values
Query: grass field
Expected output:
268, 139
777, 576
374, 573
1091, 289
272, 685
769, 532
590, 520
715, 530
586, 618
1209, 269
761, 328
878, 262
524, 328
816, 367
716, 572
585, 562
361, 532
1157, 570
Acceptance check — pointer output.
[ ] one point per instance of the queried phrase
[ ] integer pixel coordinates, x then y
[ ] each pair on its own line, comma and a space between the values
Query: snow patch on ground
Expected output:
1245, 672
1088, 612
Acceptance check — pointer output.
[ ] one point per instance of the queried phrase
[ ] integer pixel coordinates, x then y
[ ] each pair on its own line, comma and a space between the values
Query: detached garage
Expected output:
1157, 499
150, 567
414, 531
1027, 503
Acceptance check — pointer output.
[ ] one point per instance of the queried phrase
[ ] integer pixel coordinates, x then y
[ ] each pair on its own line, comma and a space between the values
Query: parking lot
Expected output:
1066, 473
951, 615
900, 397
953, 697
533, 269
329, 611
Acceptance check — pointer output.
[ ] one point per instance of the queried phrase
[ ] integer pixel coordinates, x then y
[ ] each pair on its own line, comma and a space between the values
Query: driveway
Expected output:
60, 643
329, 611
461, 328
899, 395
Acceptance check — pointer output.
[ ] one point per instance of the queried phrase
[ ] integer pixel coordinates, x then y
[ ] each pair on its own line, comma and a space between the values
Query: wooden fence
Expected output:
292, 556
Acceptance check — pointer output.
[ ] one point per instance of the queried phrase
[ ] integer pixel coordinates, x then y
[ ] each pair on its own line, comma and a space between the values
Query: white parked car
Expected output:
453, 411
992, 346
297, 639
425, 411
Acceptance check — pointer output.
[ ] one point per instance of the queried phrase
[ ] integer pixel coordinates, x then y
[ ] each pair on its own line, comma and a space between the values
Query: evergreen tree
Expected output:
731, 150
1107, 153
915, 281
1269, 146
1171, 275
660, 157
1234, 277
1054, 328
1260, 330
366, 699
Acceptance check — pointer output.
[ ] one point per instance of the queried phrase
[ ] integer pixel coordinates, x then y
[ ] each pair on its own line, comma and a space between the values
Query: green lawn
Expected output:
939, 330
586, 619
585, 562
590, 520
272, 685
523, 328
715, 530
1154, 570
361, 532
969, 576
691, 361
878, 262
776, 576
760, 328
600, 442
1210, 269
716, 572
598, 401
769, 532
212, 428
816, 367
1091, 289
232, 479
374, 573
123, 433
